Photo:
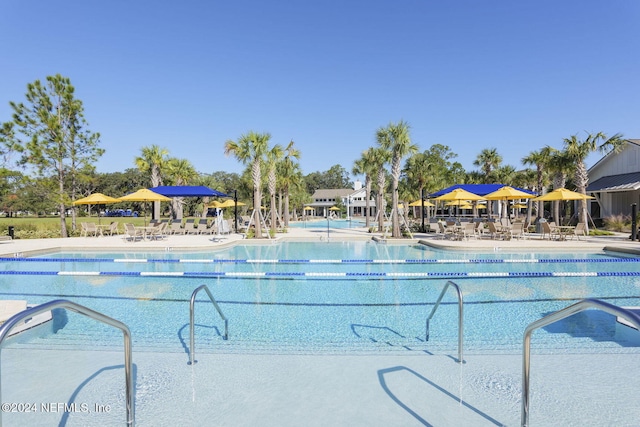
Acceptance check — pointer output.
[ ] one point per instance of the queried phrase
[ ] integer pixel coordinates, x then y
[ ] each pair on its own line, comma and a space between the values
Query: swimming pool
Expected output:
330, 297
309, 303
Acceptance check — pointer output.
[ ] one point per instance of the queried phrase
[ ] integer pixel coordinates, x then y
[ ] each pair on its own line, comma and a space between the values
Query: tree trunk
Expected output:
367, 203
257, 182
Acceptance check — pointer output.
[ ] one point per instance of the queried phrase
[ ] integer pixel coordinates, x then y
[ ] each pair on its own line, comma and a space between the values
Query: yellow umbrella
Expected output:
215, 204
562, 194
334, 208
96, 199
308, 208
144, 195
229, 204
459, 194
465, 206
519, 206
419, 203
508, 193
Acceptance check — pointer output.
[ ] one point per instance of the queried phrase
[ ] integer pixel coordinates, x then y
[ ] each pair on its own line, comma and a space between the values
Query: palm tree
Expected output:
418, 172
273, 157
366, 165
560, 165
250, 150
578, 151
539, 159
488, 160
288, 171
179, 172
379, 157
396, 139
153, 160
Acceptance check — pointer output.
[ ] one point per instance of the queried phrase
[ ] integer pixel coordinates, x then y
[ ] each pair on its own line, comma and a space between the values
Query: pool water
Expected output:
332, 223
330, 297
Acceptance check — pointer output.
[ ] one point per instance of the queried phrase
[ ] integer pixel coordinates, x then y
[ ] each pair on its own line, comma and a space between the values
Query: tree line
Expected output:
48, 155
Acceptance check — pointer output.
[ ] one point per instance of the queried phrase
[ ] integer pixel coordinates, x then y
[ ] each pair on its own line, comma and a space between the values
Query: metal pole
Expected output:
235, 208
634, 229
422, 208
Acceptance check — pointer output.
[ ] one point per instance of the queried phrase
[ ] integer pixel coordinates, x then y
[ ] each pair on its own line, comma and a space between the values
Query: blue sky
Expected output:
190, 75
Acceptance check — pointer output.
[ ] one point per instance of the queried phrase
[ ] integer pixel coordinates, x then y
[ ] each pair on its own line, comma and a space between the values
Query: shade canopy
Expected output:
519, 206
508, 193
419, 203
187, 191
144, 195
215, 204
308, 208
562, 194
459, 194
96, 199
334, 208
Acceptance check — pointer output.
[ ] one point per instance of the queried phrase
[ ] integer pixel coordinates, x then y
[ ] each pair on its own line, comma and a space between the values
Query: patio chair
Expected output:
88, 228
131, 233
494, 232
517, 231
468, 230
113, 229
579, 230
443, 231
549, 229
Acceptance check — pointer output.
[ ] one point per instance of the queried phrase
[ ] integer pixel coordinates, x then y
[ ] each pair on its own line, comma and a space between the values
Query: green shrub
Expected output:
617, 223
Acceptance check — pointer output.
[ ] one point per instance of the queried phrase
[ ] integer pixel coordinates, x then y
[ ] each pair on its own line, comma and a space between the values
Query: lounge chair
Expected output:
176, 227
190, 227
131, 233
158, 231
204, 228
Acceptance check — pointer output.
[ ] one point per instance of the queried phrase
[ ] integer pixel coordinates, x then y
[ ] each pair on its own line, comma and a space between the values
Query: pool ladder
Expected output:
192, 348
460, 316
77, 308
583, 305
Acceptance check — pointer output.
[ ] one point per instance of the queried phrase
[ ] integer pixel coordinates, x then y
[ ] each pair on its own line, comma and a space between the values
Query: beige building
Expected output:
614, 181
352, 199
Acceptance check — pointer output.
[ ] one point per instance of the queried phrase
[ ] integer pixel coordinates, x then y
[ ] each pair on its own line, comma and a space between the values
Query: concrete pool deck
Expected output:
351, 390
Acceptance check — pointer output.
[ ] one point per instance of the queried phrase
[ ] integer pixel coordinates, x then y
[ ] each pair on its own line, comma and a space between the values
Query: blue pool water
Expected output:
333, 223
346, 299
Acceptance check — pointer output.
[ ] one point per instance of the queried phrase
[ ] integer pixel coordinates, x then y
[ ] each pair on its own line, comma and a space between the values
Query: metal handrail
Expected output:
460, 316
583, 305
192, 322
77, 308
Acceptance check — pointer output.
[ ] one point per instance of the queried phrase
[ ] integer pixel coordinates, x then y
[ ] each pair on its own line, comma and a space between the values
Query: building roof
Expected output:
612, 183
331, 193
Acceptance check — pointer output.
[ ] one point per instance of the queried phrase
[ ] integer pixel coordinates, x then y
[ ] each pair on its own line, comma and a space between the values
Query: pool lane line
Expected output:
352, 275
326, 261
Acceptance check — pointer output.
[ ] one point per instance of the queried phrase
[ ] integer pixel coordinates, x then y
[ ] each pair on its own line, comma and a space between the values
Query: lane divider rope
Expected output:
329, 261
381, 275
